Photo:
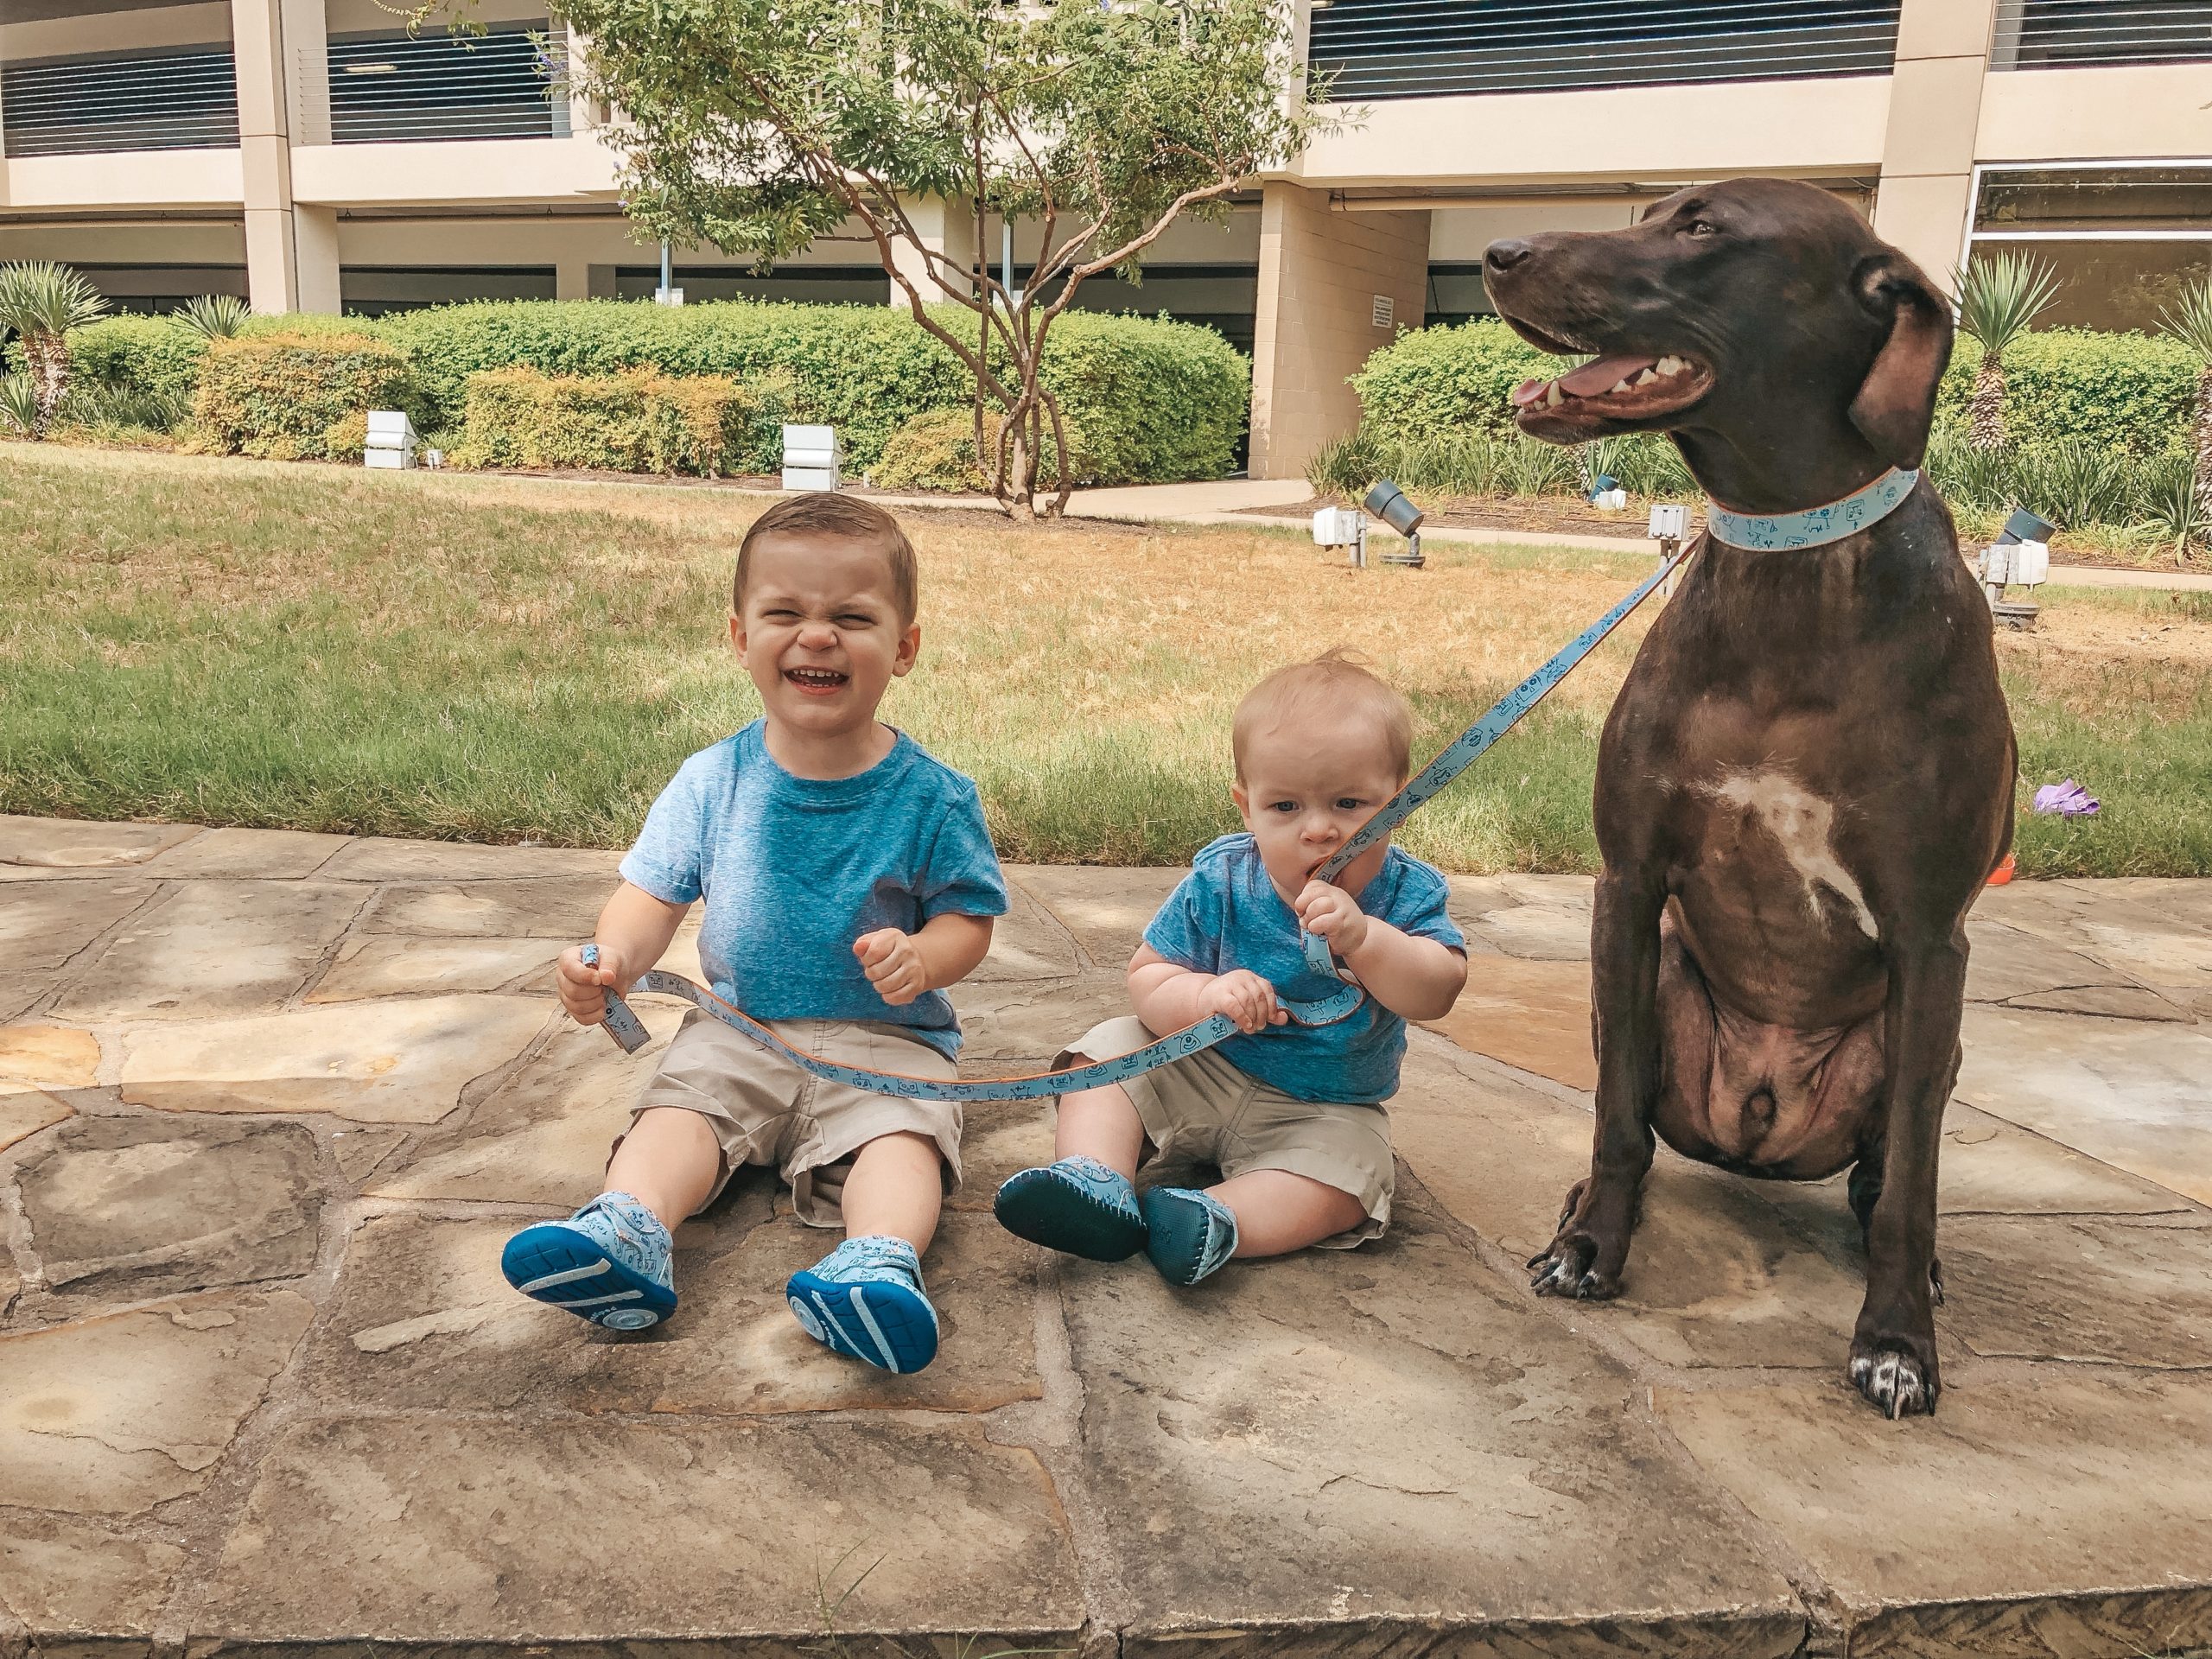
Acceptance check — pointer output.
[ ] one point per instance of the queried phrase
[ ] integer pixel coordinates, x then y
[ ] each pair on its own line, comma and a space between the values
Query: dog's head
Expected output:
1759, 309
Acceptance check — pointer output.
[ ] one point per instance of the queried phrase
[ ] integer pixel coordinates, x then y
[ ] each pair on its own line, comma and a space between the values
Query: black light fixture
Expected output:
1389, 503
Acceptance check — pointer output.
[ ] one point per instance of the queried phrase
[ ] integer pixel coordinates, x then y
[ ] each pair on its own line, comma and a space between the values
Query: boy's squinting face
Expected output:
820, 632
1303, 795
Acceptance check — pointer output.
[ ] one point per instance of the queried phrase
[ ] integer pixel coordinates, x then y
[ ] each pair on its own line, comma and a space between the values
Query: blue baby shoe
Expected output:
607, 1264
866, 1298
1078, 1205
1189, 1233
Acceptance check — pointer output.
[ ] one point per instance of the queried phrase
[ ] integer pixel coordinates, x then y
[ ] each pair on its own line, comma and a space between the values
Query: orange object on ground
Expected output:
2002, 873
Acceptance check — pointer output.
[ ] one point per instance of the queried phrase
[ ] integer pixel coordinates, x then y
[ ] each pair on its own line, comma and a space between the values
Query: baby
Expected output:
1292, 1115
847, 880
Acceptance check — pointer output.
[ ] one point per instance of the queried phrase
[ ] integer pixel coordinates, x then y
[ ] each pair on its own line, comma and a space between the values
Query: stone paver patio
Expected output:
269, 1103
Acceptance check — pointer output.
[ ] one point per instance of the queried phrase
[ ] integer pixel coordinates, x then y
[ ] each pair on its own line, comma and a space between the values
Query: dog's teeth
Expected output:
1618, 385
1554, 397
1646, 378
1672, 365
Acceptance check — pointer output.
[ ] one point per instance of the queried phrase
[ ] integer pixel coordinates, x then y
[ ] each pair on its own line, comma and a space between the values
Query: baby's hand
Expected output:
893, 964
1327, 910
1245, 997
583, 990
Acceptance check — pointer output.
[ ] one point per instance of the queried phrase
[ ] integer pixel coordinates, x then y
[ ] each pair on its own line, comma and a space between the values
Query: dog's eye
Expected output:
1700, 227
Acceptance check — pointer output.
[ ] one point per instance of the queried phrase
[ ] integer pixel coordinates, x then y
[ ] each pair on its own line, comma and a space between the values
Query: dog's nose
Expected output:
1503, 255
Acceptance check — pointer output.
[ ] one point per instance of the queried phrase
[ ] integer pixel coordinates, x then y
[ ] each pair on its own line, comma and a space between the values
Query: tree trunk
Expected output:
1988, 425
2204, 440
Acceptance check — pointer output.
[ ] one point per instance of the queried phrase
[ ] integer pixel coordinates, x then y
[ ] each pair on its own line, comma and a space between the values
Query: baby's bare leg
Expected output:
1101, 1123
1278, 1212
896, 1188
668, 1161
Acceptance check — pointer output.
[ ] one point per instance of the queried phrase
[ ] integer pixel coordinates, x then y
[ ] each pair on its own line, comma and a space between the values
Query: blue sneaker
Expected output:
1078, 1205
1191, 1233
866, 1298
607, 1264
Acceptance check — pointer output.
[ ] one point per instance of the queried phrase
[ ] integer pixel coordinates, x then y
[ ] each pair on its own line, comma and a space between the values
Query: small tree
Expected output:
2189, 321
40, 302
1999, 295
760, 125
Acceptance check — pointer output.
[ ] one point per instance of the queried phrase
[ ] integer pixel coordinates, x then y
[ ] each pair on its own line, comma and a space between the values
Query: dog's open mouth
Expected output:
1619, 387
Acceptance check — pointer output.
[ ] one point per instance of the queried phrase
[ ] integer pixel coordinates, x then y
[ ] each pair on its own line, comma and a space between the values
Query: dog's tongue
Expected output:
1592, 378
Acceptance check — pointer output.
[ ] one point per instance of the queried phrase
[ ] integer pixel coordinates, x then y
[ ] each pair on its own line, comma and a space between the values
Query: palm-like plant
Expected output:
2189, 321
41, 301
1999, 295
213, 316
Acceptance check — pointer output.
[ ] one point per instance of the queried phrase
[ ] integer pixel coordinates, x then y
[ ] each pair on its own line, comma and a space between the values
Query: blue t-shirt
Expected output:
1227, 915
794, 869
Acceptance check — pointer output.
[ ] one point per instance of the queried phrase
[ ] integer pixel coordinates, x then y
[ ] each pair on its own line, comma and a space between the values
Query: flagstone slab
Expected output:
44, 924
1105, 909
552, 907
1534, 1015
392, 964
543, 1137
77, 1586
213, 948
423, 1320
1537, 932
1028, 942
73, 843
1989, 1166
998, 1138
465, 1535
248, 855
1716, 1275
2128, 1092
1307, 1455
375, 858
2080, 1287
2157, 936
2060, 1514
2107, 1001
113, 1415
25, 1110
61, 1057
2005, 961
160, 1204
359, 1151
1002, 1019
401, 1061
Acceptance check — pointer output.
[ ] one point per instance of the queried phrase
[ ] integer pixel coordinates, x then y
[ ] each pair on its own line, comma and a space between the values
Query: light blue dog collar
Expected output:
1815, 526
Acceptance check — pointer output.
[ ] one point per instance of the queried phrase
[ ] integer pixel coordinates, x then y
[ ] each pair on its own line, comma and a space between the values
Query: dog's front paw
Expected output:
1897, 1383
1567, 1266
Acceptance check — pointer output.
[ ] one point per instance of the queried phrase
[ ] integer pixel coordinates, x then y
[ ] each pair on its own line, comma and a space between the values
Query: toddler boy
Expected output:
1292, 1115
848, 879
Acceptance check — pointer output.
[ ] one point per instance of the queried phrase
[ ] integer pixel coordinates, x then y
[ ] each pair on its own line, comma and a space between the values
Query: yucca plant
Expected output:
41, 301
1999, 295
2189, 321
2174, 505
18, 405
213, 316
1345, 465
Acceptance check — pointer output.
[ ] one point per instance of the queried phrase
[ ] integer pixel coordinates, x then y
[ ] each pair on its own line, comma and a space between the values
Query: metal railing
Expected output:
2085, 33
85, 106
387, 89
1417, 48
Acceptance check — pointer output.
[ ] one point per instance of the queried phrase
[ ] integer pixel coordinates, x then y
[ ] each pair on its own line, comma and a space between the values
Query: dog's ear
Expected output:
1896, 403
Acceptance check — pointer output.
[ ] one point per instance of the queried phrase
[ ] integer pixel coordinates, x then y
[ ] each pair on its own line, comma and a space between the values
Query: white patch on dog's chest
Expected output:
1803, 826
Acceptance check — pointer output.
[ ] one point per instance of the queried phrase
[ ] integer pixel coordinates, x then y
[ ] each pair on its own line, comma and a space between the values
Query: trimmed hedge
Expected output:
151, 355
2130, 392
292, 396
634, 421
1157, 401
937, 451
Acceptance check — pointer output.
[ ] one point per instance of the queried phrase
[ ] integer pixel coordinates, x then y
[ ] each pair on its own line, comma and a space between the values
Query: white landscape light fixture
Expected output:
1342, 527
1670, 522
2020, 557
391, 440
812, 458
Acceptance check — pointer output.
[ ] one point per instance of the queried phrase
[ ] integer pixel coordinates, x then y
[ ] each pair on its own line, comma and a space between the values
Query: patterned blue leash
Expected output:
629, 1032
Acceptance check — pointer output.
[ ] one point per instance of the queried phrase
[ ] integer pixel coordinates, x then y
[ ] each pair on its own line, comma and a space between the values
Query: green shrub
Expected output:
2128, 391
633, 421
150, 355
1155, 401
937, 451
279, 394
1431, 379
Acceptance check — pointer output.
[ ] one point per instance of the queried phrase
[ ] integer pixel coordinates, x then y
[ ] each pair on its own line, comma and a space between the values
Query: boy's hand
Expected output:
1245, 997
1328, 911
583, 990
893, 964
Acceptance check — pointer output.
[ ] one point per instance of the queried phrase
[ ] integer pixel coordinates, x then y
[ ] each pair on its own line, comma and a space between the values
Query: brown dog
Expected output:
1808, 774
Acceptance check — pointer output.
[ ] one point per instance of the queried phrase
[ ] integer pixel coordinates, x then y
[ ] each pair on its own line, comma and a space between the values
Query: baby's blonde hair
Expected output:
1333, 684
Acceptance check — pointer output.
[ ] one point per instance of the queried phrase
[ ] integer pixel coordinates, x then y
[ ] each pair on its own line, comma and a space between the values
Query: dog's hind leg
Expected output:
1586, 1256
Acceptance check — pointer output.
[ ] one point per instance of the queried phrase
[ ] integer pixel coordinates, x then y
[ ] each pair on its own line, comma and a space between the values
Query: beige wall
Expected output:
2157, 110
1928, 141
1321, 271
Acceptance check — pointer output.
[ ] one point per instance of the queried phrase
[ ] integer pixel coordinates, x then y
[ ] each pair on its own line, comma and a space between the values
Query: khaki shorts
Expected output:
765, 1110
1203, 1110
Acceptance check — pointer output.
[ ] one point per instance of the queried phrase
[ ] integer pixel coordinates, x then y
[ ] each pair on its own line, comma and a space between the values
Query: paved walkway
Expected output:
278, 1099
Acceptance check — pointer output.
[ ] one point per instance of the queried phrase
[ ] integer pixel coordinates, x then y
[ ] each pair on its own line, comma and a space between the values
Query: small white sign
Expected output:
1386, 311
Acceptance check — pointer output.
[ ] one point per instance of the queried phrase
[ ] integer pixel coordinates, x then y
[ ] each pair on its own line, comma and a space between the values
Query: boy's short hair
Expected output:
1333, 684
825, 513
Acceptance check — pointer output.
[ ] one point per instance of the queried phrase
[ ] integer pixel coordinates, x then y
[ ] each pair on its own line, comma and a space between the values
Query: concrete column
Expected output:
1927, 186
1334, 287
945, 229
572, 277
289, 266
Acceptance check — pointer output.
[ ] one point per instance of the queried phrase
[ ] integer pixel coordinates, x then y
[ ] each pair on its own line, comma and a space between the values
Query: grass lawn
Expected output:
495, 658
